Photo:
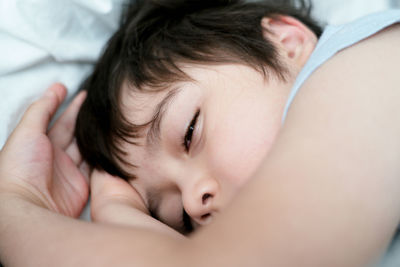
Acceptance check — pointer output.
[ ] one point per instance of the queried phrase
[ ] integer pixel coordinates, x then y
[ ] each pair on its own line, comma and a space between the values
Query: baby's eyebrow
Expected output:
153, 135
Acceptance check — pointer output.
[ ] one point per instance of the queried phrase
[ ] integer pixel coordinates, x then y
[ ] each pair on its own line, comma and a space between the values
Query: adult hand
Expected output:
45, 167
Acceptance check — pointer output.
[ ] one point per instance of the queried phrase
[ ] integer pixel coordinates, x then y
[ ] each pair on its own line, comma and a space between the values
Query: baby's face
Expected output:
213, 134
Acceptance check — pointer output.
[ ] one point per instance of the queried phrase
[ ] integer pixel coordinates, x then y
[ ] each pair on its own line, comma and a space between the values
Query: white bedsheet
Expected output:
45, 41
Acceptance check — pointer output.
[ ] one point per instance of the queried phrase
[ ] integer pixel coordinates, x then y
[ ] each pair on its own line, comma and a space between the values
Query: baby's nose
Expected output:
200, 202
208, 213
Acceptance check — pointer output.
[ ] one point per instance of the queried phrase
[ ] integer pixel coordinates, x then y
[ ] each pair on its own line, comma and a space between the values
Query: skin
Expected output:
337, 205
240, 116
222, 156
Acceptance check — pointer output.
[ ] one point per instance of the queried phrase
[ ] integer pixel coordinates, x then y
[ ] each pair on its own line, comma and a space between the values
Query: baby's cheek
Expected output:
237, 152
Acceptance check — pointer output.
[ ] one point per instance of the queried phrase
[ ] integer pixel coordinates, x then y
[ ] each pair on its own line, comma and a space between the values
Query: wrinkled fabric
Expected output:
47, 41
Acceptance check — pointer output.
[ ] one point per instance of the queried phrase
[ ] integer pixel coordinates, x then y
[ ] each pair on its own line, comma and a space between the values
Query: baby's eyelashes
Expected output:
187, 140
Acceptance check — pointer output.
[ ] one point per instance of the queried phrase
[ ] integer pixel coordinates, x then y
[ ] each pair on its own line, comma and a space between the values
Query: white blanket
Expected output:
45, 41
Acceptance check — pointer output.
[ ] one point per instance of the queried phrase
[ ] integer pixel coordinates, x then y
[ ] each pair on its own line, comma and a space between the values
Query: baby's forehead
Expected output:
139, 105
144, 109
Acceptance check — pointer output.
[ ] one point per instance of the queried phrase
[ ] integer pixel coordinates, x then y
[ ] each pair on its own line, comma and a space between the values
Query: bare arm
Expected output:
329, 192
327, 195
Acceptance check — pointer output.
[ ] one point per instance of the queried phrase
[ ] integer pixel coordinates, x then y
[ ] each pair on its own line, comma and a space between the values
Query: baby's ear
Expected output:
293, 39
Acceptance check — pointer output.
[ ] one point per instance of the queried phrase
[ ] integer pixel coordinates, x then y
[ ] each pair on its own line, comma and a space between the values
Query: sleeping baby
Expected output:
189, 96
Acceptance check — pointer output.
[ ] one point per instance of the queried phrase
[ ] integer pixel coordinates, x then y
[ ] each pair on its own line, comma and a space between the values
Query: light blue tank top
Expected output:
336, 38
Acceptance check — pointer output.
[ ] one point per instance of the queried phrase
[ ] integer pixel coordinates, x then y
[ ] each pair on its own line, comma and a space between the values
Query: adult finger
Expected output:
39, 114
85, 170
73, 152
62, 132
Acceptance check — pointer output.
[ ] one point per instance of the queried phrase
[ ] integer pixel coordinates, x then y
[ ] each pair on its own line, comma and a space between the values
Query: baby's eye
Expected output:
187, 140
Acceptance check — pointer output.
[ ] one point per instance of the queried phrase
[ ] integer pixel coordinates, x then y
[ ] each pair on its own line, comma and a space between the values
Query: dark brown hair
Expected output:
154, 37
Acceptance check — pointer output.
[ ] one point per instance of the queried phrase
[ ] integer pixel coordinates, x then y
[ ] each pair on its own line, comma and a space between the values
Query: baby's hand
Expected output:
115, 201
109, 190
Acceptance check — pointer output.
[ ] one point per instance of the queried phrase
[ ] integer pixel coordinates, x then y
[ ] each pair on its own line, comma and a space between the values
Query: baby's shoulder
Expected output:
358, 85
362, 82
375, 34
375, 59
369, 66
